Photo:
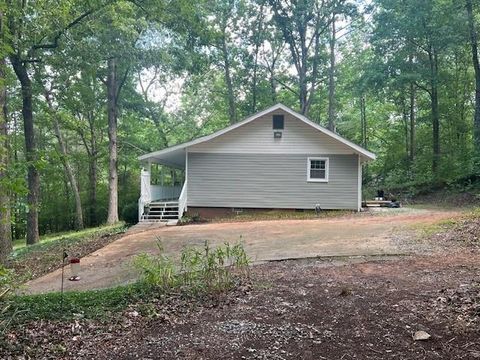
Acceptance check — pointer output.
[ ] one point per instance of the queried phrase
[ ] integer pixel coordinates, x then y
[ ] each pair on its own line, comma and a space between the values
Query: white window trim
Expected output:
327, 163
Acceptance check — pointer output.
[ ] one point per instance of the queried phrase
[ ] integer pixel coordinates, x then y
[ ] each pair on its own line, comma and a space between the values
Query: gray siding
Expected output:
270, 181
256, 137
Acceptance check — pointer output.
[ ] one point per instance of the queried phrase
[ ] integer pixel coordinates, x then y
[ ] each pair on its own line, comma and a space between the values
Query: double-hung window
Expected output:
317, 169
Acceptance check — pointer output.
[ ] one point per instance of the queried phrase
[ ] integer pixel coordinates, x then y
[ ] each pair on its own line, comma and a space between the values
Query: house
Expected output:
276, 158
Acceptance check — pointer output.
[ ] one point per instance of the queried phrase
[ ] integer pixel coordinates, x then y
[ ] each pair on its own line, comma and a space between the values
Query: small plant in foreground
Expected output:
207, 270
7, 285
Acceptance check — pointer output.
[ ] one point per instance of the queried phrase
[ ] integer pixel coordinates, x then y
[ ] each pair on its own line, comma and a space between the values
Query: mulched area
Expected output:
464, 232
448, 199
306, 309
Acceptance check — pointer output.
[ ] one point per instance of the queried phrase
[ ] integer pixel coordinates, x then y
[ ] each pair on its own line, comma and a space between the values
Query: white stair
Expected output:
163, 211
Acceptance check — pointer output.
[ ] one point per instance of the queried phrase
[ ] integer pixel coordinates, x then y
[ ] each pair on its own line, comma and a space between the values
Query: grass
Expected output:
93, 304
38, 259
68, 236
427, 231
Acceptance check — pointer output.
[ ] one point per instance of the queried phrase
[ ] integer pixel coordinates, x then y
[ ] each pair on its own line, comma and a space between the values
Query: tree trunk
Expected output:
302, 95
476, 67
229, 83
30, 149
273, 90
92, 177
78, 223
436, 130
412, 123
406, 127
331, 79
112, 142
254, 80
92, 152
363, 123
363, 119
435, 110
258, 35
5, 225
92, 171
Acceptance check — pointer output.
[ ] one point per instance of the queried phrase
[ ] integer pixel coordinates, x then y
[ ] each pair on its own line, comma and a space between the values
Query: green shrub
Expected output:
130, 213
190, 219
207, 270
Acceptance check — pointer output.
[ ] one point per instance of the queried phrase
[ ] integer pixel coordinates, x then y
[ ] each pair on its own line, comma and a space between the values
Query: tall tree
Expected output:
222, 28
412, 122
64, 157
476, 68
331, 76
5, 226
21, 70
25, 49
303, 25
112, 96
419, 32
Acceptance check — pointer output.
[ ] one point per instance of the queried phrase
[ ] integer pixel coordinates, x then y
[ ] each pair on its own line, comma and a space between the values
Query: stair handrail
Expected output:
182, 200
140, 209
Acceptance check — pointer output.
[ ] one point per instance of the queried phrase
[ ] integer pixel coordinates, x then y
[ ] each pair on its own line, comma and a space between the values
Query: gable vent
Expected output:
278, 122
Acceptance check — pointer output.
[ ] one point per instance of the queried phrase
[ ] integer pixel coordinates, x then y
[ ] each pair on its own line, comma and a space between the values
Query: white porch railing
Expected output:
153, 193
182, 200
159, 192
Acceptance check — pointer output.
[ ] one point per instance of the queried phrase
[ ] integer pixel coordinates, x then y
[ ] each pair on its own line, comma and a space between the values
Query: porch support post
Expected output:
145, 191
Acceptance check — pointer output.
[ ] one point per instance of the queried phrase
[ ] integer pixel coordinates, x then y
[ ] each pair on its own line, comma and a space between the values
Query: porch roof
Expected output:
170, 156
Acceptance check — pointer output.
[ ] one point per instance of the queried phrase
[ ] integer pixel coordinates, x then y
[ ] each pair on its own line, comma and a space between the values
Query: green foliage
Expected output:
8, 283
49, 242
35, 260
130, 213
189, 219
172, 61
200, 272
208, 270
94, 304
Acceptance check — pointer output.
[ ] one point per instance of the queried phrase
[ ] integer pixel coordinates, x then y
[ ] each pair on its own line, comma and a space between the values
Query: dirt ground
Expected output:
293, 313
296, 309
371, 234
360, 307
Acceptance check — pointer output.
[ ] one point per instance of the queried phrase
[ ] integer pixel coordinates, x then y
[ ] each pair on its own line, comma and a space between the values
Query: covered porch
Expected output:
163, 190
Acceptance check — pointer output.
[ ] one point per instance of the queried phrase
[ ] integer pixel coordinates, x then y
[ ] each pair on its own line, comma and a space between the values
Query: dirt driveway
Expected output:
351, 235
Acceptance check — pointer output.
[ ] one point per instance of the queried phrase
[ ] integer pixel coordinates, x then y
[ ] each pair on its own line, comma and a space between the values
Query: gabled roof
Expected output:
356, 148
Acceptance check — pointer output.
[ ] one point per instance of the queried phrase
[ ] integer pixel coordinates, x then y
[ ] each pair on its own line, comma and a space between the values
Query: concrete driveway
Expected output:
350, 235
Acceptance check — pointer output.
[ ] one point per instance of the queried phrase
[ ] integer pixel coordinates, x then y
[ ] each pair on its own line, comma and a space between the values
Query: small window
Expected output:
317, 169
278, 122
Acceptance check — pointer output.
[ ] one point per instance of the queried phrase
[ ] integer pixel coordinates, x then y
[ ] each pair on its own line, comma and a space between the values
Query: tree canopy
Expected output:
87, 86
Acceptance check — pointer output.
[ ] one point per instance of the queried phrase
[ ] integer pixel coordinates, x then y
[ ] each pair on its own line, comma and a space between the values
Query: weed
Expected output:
208, 270
190, 219
8, 283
